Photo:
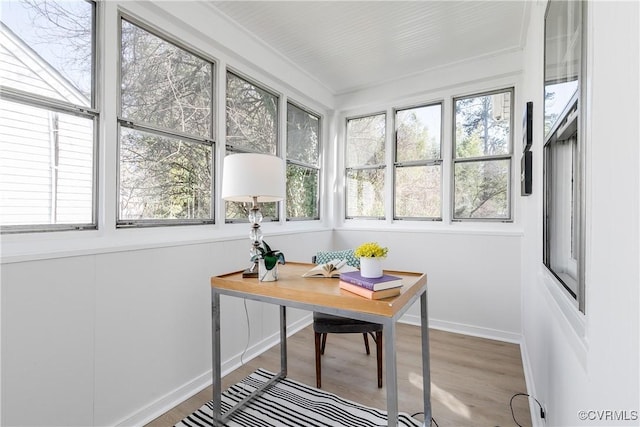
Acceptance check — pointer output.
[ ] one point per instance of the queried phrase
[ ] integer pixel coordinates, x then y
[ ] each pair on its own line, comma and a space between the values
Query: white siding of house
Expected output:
25, 164
75, 170
34, 189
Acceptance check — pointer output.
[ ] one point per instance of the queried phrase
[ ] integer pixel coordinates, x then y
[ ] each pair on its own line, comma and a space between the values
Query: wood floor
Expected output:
472, 379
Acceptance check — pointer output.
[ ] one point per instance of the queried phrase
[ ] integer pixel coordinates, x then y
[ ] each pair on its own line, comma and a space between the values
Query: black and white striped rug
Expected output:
290, 403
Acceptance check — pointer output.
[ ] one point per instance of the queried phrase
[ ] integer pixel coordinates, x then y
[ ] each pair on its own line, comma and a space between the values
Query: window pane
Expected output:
556, 98
483, 125
417, 192
46, 166
365, 193
365, 140
562, 211
164, 85
481, 189
563, 46
303, 130
163, 178
418, 133
252, 117
49, 50
302, 192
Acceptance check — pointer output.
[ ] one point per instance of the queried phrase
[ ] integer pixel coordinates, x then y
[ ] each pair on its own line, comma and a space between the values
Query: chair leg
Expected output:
318, 368
324, 342
366, 343
379, 356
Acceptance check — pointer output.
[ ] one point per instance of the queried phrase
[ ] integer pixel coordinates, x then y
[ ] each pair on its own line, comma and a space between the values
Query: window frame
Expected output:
413, 163
381, 166
91, 112
477, 159
231, 149
304, 165
572, 115
122, 121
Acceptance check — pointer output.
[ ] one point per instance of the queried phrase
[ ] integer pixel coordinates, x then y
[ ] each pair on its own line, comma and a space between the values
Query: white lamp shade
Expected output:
249, 175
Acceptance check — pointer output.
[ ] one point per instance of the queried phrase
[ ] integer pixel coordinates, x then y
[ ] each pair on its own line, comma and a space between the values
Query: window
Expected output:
303, 159
564, 147
418, 163
482, 156
365, 167
48, 116
166, 132
252, 126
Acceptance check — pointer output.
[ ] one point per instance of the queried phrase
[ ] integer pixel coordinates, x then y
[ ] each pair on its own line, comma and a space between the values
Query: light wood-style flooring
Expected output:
472, 379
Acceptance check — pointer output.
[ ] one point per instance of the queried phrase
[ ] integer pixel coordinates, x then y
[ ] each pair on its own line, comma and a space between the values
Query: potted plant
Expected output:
371, 255
268, 260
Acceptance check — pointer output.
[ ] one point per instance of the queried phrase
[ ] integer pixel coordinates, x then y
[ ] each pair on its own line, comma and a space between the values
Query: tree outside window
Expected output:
303, 158
365, 167
418, 163
482, 156
166, 131
252, 126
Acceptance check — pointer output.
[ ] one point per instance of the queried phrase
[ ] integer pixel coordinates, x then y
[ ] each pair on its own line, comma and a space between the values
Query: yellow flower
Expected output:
370, 250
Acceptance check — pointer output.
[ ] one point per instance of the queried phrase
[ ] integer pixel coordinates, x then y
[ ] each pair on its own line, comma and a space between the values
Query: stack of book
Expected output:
381, 287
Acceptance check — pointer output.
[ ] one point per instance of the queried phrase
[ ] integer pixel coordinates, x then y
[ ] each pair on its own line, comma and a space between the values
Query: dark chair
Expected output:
324, 324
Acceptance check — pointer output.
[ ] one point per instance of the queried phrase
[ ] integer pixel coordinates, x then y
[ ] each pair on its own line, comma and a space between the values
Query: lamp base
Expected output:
251, 271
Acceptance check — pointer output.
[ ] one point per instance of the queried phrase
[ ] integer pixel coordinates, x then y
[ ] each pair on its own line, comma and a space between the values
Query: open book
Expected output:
330, 269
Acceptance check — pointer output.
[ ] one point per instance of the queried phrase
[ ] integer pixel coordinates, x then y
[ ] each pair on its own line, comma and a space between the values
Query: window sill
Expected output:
475, 228
39, 246
569, 319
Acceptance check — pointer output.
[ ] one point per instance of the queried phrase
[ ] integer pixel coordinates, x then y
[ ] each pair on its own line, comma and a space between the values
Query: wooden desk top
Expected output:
291, 286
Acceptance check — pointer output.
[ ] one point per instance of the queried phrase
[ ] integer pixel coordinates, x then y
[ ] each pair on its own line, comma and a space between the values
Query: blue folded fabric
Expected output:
324, 257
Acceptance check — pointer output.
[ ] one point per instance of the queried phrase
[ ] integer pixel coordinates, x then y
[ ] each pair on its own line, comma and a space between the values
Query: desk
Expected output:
324, 295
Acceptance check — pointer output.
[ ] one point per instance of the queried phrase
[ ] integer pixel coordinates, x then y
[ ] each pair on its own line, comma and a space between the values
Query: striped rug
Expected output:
289, 403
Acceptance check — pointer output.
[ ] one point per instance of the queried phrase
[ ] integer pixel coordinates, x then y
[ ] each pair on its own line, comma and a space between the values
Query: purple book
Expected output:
373, 284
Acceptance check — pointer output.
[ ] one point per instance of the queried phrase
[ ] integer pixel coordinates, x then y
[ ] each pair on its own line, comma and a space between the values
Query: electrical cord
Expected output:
246, 346
433, 420
542, 413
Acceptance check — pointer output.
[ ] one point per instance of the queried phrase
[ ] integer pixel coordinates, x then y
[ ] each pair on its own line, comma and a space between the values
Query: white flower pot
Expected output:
371, 267
265, 275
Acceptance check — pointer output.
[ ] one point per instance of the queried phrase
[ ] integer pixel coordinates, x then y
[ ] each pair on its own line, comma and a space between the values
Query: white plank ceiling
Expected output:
349, 45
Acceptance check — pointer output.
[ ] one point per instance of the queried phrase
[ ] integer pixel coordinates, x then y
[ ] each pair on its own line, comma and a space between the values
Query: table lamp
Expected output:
255, 178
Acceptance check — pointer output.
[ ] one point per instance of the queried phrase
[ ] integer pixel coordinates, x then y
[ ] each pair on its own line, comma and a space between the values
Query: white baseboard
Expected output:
536, 421
168, 401
461, 328
191, 388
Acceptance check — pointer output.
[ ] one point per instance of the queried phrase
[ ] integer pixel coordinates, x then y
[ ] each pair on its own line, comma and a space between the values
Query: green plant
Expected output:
370, 250
270, 256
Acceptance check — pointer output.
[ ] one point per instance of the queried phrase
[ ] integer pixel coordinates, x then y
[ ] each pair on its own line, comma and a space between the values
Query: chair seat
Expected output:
328, 323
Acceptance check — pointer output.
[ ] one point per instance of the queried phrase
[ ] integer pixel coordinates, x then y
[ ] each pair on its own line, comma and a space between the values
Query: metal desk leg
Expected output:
426, 370
215, 355
391, 372
283, 341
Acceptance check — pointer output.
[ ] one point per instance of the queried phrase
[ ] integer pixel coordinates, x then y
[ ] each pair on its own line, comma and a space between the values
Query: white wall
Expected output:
472, 290
113, 338
590, 362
